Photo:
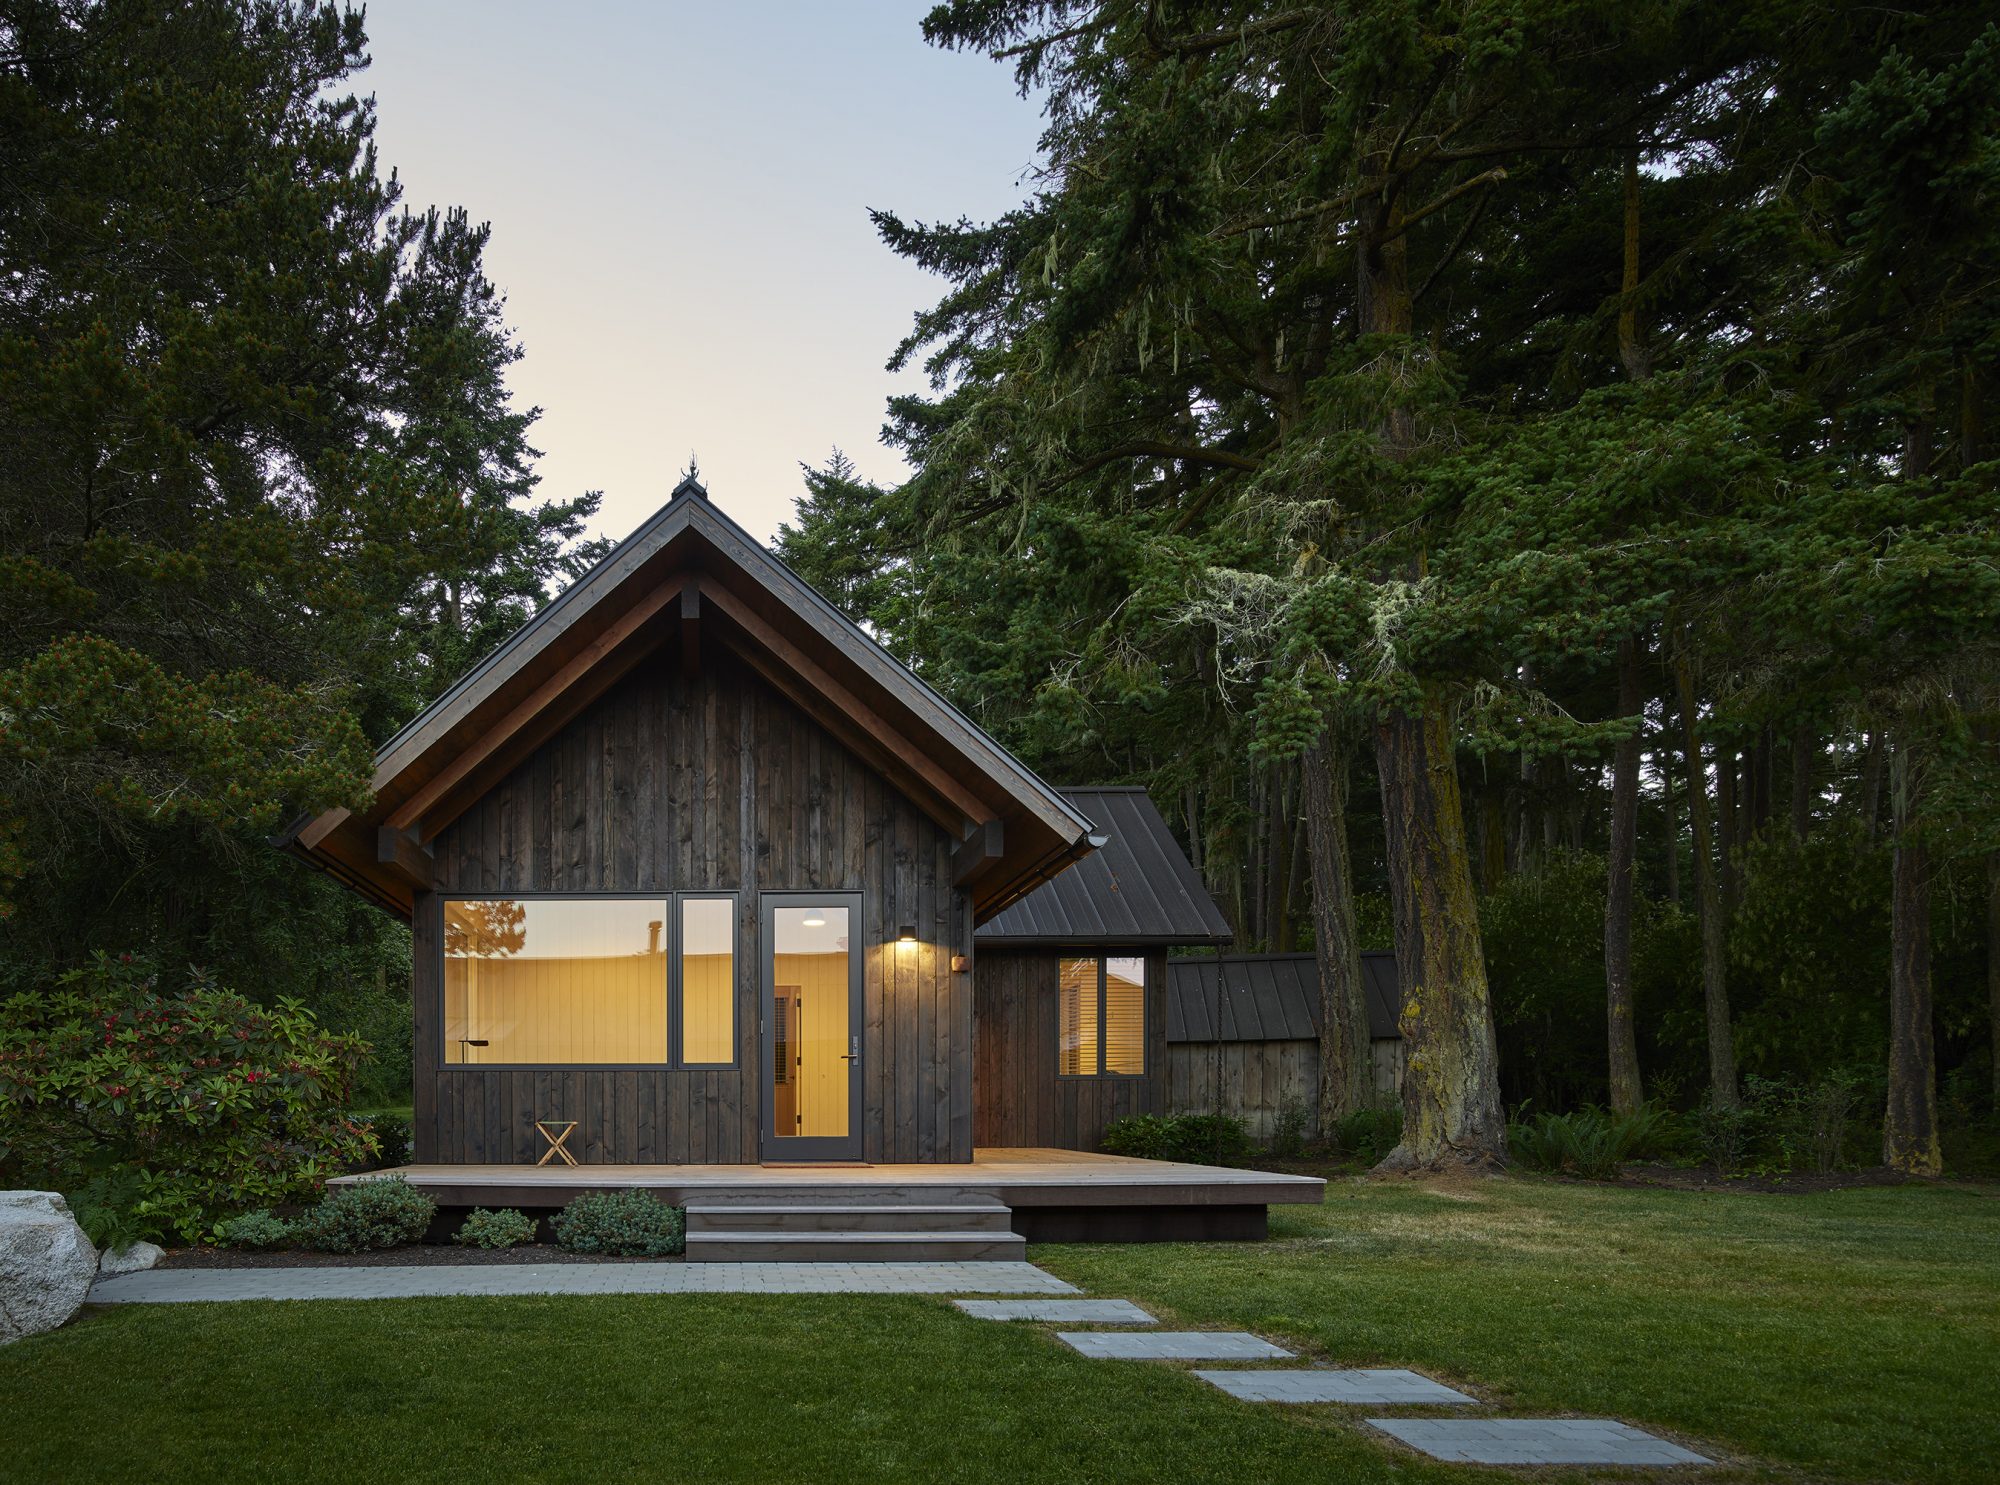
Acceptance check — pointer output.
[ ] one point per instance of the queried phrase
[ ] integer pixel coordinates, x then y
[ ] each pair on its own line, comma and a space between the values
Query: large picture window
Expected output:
1101, 1017
584, 981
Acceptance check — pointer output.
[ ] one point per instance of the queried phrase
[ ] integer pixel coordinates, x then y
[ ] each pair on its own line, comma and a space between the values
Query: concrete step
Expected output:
850, 1217
854, 1247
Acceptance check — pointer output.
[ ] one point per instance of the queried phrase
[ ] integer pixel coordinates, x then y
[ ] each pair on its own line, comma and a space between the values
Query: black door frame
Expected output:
770, 1144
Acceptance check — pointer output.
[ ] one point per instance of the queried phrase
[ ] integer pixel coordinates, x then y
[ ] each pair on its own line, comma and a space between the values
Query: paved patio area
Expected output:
202, 1285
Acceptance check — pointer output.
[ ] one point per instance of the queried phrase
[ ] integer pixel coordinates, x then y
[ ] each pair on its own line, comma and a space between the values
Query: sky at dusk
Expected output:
679, 197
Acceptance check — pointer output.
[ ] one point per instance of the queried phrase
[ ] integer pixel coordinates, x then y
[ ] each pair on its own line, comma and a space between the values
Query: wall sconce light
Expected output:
907, 934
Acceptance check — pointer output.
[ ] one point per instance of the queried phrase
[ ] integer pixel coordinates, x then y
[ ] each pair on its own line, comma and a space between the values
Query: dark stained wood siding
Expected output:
672, 783
1019, 1098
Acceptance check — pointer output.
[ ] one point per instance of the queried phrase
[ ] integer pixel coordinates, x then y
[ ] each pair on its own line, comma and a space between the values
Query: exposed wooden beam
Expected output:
843, 713
321, 826
581, 681
978, 853
405, 856
691, 630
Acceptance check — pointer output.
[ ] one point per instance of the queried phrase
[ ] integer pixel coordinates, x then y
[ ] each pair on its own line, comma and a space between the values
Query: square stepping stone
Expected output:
1065, 1311
1173, 1345
1535, 1441
1322, 1386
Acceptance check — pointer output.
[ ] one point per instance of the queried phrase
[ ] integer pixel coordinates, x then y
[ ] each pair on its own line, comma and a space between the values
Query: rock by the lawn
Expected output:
46, 1263
135, 1259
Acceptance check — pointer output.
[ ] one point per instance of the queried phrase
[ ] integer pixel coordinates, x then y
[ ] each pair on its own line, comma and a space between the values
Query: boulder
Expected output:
46, 1263
135, 1259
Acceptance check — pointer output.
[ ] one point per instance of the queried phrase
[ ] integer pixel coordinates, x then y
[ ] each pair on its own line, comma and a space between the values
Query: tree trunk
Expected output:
1805, 781
1727, 817
1708, 899
1871, 784
1451, 1079
1993, 963
1492, 839
1619, 890
1345, 1053
1672, 830
1909, 1132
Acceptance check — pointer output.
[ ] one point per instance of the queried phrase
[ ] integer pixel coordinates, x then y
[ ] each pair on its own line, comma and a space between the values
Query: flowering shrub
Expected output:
209, 1102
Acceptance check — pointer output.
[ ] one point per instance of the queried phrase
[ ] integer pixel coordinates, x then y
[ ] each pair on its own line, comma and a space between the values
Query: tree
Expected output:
262, 492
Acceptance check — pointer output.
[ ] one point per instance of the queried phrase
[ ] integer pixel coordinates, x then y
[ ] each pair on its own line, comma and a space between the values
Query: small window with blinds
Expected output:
1101, 1017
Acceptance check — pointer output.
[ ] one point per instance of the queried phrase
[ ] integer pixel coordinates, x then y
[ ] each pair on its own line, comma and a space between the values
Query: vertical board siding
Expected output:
716, 782
1017, 1097
1252, 1081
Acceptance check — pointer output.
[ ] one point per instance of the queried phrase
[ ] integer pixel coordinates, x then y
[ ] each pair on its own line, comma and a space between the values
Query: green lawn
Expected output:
1837, 1336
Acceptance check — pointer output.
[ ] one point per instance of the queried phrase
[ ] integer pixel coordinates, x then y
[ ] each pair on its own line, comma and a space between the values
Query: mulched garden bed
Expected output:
419, 1256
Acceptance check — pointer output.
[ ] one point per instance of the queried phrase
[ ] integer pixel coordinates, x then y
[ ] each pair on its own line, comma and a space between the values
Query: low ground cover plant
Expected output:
173, 1106
621, 1224
369, 1215
503, 1227
1198, 1139
1590, 1142
258, 1230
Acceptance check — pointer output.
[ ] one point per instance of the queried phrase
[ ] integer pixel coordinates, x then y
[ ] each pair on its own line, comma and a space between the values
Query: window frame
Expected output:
676, 1008
1102, 959
670, 988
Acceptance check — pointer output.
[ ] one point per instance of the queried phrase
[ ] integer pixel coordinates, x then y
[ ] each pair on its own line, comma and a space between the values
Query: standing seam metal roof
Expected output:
1267, 997
1139, 888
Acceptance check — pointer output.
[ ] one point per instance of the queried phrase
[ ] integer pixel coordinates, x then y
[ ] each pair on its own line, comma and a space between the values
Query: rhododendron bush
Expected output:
200, 1100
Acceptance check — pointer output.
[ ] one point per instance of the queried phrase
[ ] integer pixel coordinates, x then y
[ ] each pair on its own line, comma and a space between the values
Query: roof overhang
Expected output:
690, 576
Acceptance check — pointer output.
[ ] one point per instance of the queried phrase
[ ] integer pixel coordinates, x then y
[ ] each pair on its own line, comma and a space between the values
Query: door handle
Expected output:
853, 1052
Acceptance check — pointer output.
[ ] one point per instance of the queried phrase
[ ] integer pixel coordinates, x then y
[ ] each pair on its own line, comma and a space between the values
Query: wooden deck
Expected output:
1069, 1181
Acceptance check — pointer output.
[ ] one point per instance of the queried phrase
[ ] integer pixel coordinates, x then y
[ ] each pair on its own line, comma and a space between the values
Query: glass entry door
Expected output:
812, 1026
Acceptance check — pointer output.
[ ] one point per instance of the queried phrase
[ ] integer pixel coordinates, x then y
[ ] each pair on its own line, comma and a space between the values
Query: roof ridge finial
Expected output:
691, 478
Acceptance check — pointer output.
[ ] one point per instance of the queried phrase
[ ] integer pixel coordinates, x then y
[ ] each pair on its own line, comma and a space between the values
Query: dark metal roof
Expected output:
1138, 888
1266, 997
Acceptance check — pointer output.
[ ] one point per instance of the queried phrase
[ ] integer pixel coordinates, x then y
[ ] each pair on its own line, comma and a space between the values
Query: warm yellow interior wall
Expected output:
1125, 1016
1076, 1053
708, 1006
570, 1010
820, 1078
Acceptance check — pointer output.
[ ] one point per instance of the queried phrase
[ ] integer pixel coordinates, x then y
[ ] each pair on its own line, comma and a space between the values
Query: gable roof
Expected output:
1138, 888
1267, 997
687, 577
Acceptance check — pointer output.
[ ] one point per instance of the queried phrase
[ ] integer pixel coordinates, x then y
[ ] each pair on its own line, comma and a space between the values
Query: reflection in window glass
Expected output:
708, 980
1077, 1041
562, 981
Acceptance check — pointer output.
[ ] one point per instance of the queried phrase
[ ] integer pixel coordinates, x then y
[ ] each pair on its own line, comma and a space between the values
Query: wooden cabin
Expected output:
693, 864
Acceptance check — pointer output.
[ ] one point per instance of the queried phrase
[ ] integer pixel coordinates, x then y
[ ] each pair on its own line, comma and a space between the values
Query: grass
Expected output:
1837, 1336
1846, 1333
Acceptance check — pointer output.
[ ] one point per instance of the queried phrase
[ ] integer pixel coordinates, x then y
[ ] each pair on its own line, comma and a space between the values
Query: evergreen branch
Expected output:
1484, 178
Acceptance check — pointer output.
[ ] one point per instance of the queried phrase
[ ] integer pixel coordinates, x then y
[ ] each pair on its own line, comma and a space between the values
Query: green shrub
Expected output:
1197, 1139
386, 1212
621, 1224
1591, 1142
1367, 1135
392, 1138
257, 1230
108, 1209
1288, 1132
487, 1228
201, 1098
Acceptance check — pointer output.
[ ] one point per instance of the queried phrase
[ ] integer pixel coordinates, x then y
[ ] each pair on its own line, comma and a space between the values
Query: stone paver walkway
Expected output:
196, 1285
1323, 1386
1173, 1345
1535, 1441
1058, 1311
